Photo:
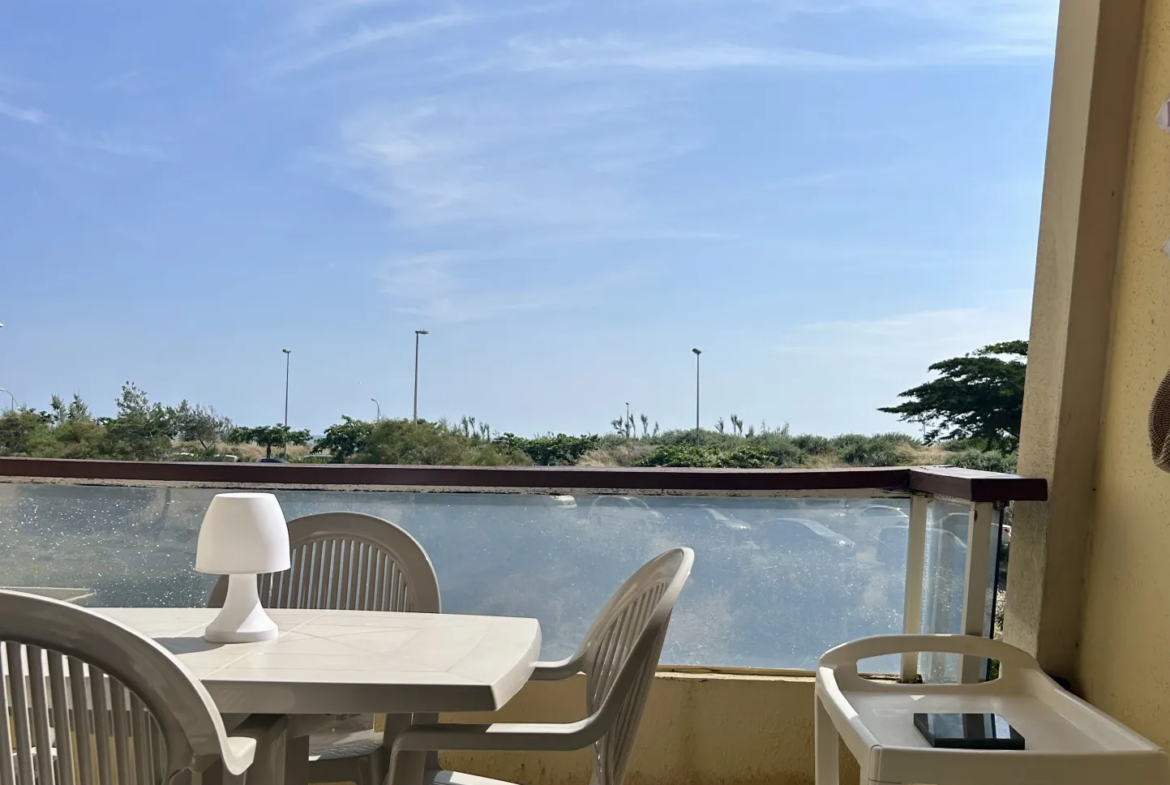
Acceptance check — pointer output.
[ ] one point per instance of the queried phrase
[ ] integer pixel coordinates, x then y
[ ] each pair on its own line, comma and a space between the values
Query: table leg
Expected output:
296, 761
828, 761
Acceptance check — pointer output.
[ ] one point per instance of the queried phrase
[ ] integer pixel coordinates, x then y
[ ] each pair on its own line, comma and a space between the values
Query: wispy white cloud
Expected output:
616, 52
439, 288
23, 114
833, 177
510, 166
122, 149
301, 56
312, 15
53, 131
995, 21
577, 54
916, 335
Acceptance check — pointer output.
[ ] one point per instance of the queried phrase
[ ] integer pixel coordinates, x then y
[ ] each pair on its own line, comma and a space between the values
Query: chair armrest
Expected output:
558, 669
499, 736
255, 739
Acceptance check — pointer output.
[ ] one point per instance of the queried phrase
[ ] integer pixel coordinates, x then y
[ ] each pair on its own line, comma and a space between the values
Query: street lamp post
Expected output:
375, 400
12, 398
697, 353
417, 334
287, 362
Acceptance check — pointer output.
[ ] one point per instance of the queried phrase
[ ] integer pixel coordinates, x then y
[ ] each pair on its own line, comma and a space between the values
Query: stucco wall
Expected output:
1125, 637
697, 730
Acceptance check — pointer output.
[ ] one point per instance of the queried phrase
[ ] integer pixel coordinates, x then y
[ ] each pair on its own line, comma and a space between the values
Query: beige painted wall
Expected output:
697, 730
1124, 656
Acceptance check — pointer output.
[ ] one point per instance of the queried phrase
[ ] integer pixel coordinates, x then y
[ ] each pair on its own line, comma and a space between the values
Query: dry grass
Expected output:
245, 452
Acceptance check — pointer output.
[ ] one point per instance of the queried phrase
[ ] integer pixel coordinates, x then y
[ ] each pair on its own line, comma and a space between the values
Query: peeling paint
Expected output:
1164, 116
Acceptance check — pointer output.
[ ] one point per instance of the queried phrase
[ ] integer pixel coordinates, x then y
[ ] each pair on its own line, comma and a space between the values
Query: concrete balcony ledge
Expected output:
699, 729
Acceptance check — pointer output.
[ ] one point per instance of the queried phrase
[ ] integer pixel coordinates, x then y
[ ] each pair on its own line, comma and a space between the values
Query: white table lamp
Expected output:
243, 534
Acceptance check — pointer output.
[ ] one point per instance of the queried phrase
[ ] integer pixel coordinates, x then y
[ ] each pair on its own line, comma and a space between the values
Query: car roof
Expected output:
819, 528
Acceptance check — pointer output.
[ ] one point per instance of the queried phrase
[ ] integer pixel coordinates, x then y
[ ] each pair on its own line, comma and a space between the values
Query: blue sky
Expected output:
823, 195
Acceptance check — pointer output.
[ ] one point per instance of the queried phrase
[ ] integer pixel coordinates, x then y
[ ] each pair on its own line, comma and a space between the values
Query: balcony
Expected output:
789, 564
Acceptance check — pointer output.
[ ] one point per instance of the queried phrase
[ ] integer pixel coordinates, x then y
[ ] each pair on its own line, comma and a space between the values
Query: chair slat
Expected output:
61, 723
361, 586
143, 748
40, 714
83, 730
101, 717
119, 709
344, 574
7, 776
21, 731
379, 583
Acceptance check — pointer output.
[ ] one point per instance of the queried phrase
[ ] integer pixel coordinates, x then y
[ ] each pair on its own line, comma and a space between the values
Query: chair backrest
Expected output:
89, 701
620, 657
348, 561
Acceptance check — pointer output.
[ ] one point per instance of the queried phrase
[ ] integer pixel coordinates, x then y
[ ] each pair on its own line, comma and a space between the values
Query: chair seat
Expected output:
335, 746
444, 777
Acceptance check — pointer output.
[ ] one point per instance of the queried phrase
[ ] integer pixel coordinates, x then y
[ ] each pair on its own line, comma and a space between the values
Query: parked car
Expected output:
623, 510
705, 515
825, 509
561, 506
893, 541
796, 535
883, 515
956, 524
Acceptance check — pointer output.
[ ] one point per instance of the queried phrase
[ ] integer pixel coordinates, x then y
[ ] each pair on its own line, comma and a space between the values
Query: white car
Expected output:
883, 515
956, 524
622, 510
707, 516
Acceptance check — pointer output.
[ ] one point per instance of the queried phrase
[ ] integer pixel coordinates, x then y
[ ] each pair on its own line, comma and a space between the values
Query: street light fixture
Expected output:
697, 353
375, 400
287, 362
417, 335
12, 398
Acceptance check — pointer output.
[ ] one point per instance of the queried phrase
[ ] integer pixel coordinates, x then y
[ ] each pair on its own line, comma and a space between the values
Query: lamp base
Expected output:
242, 618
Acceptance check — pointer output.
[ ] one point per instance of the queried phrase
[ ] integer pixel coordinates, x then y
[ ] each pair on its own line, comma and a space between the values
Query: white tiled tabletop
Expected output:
343, 662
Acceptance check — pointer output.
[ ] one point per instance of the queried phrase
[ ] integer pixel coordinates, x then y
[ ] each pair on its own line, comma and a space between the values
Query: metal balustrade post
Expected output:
915, 567
975, 582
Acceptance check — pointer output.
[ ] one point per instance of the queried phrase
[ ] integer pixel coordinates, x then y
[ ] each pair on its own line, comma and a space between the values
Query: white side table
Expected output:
1067, 741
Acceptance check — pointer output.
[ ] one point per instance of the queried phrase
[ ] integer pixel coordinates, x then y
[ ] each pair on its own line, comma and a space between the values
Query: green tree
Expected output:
142, 431
201, 426
346, 439
978, 396
559, 450
424, 443
268, 436
75, 411
24, 432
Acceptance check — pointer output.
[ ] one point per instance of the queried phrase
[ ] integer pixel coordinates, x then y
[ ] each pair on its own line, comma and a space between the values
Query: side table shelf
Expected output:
1067, 741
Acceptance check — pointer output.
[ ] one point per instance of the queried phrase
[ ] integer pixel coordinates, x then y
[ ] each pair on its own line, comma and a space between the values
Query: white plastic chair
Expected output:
349, 561
1067, 741
90, 702
618, 657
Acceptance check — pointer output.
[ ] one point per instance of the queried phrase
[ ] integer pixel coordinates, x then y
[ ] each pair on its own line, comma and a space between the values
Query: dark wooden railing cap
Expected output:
961, 484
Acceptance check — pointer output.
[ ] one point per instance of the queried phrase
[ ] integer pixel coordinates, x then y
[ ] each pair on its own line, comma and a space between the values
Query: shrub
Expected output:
813, 445
559, 450
987, 461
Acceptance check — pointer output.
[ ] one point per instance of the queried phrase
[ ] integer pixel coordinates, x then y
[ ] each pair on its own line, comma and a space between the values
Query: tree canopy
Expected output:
979, 396
973, 409
268, 436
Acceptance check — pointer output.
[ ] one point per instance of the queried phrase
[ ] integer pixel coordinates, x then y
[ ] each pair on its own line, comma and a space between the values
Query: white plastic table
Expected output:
1067, 741
350, 662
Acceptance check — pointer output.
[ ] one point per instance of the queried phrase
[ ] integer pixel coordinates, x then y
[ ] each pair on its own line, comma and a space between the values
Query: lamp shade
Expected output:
243, 533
